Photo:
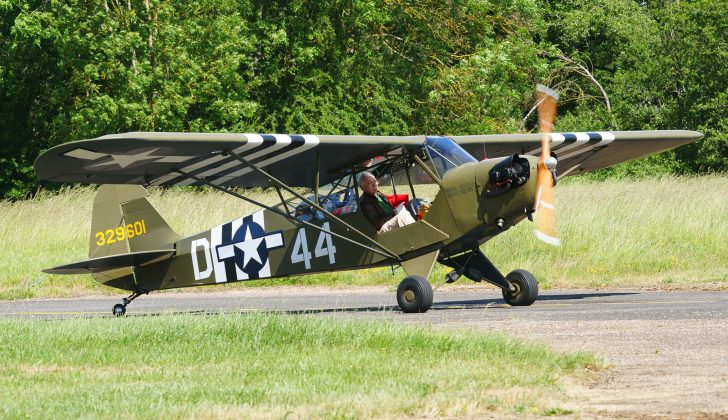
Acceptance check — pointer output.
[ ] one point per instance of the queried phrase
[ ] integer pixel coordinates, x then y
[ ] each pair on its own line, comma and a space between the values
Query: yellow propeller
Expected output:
545, 204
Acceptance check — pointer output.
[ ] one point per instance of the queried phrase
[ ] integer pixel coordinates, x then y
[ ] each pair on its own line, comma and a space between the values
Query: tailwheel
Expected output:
525, 288
119, 310
414, 294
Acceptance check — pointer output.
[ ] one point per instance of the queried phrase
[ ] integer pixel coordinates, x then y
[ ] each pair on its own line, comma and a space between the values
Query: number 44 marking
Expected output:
324, 247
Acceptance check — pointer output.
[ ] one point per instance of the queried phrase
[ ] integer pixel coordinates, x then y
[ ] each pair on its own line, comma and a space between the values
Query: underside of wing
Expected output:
187, 158
578, 153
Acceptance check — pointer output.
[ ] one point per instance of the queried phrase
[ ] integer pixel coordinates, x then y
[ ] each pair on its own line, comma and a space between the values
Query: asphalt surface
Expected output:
667, 351
472, 304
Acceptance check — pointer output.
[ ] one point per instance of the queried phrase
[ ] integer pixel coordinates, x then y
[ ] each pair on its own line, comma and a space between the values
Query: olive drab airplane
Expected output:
477, 188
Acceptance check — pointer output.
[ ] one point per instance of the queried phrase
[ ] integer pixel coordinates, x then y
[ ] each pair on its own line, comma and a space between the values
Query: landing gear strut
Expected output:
519, 287
120, 308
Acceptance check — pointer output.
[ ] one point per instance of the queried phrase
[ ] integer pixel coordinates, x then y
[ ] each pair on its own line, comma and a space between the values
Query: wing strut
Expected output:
283, 202
295, 221
273, 180
428, 170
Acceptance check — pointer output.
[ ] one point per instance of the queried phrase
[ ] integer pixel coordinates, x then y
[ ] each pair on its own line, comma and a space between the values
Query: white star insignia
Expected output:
249, 246
124, 160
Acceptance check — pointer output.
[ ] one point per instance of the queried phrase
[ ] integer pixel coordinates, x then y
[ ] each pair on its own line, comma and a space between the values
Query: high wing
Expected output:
169, 158
179, 158
579, 153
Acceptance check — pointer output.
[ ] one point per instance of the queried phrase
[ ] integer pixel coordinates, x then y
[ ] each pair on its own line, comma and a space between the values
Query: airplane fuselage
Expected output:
464, 214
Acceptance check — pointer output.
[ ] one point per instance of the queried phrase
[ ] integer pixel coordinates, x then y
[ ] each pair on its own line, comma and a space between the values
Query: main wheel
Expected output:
414, 294
119, 310
526, 288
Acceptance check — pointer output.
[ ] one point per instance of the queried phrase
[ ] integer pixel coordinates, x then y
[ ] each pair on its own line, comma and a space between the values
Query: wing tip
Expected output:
694, 135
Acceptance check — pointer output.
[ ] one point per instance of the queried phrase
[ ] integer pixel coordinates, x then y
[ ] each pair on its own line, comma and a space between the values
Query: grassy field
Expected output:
234, 366
659, 232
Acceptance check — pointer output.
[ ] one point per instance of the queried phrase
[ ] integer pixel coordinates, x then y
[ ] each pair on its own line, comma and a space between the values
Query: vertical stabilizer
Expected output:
124, 221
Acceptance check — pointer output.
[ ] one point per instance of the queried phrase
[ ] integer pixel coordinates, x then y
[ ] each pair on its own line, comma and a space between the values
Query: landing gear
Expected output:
519, 287
414, 294
525, 288
120, 308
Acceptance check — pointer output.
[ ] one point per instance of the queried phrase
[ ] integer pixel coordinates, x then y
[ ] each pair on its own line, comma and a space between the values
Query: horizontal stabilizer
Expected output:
112, 262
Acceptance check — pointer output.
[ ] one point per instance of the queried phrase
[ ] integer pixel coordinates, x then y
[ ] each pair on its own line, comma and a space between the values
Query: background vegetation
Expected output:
266, 366
653, 232
78, 69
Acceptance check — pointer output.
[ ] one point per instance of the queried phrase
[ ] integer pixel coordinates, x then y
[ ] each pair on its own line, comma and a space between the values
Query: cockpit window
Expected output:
444, 154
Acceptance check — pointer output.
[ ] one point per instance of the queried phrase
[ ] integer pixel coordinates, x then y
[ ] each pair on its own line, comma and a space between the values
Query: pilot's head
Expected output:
368, 183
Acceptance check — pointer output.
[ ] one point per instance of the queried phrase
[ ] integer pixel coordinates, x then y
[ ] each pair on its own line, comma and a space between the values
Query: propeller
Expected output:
545, 204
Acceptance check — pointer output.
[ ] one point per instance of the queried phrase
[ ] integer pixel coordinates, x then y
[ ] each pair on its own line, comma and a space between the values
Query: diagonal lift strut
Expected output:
292, 219
275, 181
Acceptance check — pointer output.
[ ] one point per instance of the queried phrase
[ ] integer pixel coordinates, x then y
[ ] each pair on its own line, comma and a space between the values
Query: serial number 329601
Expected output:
111, 236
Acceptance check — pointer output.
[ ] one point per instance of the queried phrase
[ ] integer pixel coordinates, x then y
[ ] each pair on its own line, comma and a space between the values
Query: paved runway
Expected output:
450, 304
668, 351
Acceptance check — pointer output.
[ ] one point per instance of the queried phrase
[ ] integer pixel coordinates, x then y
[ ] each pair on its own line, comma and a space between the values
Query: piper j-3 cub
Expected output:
472, 200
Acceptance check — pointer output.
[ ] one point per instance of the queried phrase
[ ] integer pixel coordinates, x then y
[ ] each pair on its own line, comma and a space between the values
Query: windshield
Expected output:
445, 154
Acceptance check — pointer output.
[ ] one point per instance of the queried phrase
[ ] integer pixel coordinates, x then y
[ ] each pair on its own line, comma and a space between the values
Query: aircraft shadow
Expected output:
437, 306
542, 298
461, 304
309, 311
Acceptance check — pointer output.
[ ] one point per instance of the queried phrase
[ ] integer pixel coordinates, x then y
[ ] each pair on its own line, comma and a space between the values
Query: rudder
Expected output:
124, 221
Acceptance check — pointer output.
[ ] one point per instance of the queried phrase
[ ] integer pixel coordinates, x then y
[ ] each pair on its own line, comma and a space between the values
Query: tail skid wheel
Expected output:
525, 288
414, 295
119, 310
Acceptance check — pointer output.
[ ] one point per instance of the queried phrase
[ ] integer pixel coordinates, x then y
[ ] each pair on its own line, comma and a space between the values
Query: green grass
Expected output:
647, 232
261, 365
655, 232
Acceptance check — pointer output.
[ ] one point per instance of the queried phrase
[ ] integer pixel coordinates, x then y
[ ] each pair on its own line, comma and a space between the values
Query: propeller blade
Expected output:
545, 203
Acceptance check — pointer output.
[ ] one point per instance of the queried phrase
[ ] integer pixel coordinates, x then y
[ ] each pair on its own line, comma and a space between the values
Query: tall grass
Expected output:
53, 229
268, 366
647, 232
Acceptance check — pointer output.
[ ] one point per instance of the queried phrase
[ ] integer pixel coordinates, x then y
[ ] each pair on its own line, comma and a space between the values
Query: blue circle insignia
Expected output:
254, 265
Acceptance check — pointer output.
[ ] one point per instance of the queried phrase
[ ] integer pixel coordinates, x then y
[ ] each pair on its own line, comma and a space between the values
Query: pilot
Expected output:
376, 207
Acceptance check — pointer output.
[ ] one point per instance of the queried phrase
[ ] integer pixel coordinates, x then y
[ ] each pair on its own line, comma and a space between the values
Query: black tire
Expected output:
526, 288
414, 295
119, 310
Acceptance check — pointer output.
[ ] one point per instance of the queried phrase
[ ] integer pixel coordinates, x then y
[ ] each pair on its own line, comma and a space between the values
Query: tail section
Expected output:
126, 232
123, 221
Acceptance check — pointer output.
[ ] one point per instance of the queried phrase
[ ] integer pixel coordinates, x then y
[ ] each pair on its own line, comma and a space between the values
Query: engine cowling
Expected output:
488, 197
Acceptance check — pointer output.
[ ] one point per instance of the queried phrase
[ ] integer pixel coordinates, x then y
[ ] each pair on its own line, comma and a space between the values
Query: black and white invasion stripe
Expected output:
287, 146
567, 145
260, 149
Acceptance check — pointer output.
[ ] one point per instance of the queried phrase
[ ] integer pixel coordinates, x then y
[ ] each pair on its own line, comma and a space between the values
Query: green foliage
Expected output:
460, 103
662, 64
72, 70
694, 38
